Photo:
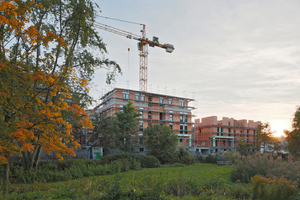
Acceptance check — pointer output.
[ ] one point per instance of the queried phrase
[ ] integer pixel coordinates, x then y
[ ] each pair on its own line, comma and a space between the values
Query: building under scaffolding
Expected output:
213, 135
154, 108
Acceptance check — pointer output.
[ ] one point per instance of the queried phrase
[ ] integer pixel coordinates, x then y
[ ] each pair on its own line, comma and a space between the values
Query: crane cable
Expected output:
120, 20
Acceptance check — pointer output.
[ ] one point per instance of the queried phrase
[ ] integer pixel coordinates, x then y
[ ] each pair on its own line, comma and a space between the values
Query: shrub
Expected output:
200, 158
148, 161
272, 188
183, 156
145, 160
212, 159
266, 165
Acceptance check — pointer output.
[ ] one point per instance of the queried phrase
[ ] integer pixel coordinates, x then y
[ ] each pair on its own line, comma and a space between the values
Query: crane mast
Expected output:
143, 62
142, 47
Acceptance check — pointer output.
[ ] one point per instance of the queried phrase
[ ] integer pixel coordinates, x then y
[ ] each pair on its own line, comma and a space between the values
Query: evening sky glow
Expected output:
237, 58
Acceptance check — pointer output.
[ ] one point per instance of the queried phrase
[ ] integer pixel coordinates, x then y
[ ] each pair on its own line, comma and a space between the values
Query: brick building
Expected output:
213, 135
154, 109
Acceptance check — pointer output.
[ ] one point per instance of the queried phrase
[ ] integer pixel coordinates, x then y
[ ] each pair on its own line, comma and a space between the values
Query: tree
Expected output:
243, 147
161, 142
128, 123
264, 137
293, 135
105, 133
115, 132
45, 67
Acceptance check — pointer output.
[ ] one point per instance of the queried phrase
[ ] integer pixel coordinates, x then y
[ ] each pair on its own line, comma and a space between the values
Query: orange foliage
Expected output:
34, 122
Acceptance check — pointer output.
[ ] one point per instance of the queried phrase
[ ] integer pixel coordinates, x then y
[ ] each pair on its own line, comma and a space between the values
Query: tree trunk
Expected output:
38, 156
6, 172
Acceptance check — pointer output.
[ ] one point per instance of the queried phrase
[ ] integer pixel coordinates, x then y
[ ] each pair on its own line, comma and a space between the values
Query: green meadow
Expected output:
167, 182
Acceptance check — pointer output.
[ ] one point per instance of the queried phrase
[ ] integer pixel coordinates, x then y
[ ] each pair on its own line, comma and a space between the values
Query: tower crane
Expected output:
142, 47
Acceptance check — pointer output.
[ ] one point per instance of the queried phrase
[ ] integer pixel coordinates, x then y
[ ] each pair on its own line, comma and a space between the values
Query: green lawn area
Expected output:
92, 187
199, 172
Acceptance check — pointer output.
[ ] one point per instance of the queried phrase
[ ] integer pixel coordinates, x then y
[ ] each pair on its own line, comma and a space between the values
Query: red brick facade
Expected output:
225, 133
155, 109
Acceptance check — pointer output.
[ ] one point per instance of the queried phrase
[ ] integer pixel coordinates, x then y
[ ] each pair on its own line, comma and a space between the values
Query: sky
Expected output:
236, 58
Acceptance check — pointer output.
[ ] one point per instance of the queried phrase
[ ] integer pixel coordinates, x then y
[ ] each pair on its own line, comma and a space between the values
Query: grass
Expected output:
92, 187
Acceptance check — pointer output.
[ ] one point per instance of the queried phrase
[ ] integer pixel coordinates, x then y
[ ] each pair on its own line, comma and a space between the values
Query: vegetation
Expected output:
264, 137
116, 132
158, 183
266, 165
293, 136
145, 160
273, 188
161, 142
45, 64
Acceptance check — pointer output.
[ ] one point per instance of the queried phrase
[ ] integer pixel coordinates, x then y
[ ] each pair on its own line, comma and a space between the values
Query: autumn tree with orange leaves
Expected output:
46, 64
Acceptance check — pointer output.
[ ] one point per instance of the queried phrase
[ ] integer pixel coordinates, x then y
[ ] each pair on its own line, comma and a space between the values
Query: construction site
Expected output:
205, 136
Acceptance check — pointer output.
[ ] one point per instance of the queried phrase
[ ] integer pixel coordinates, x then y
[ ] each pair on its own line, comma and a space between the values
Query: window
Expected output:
149, 115
199, 130
161, 100
181, 103
141, 124
170, 117
171, 125
125, 95
229, 130
137, 97
180, 140
142, 97
183, 128
170, 101
150, 100
183, 118
220, 131
121, 108
141, 114
160, 116
241, 131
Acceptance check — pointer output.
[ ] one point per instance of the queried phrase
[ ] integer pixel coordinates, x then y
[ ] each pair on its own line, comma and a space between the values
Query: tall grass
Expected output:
266, 165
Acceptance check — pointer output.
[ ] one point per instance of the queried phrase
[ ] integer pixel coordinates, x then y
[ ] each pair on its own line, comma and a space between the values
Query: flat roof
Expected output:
150, 93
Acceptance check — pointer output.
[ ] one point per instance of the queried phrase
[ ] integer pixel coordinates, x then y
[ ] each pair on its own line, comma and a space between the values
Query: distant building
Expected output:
154, 108
213, 135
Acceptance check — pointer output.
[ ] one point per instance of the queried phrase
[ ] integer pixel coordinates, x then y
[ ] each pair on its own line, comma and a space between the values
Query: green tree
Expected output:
128, 124
264, 137
244, 147
105, 133
160, 141
116, 132
293, 135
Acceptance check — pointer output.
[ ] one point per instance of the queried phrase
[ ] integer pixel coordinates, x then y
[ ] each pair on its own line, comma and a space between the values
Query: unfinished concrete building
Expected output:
213, 135
154, 109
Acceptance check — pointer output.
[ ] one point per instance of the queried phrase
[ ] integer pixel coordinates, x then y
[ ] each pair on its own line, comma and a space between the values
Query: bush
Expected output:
200, 158
266, 165
212, 159
145, 160
272, 188
183, 156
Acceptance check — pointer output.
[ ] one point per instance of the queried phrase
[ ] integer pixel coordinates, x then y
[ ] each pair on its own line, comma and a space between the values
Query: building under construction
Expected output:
213, 135
154, 109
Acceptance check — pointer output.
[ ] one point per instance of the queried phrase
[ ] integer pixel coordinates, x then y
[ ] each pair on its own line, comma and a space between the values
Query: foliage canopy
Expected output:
46, 64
